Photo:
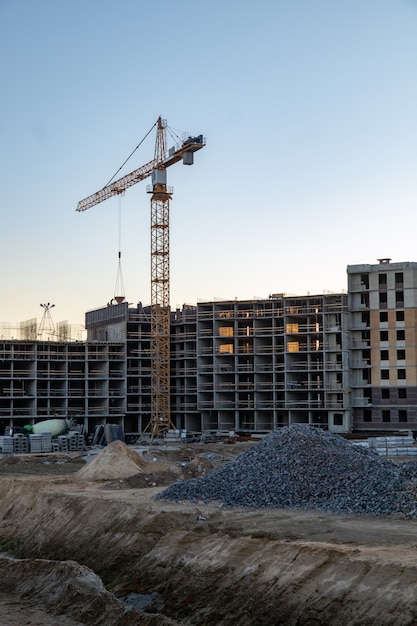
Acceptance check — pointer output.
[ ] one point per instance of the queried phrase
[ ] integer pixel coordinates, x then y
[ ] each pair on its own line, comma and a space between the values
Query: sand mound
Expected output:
115, 461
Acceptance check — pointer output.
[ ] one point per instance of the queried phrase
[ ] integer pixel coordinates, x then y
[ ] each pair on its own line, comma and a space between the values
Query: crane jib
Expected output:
175, 154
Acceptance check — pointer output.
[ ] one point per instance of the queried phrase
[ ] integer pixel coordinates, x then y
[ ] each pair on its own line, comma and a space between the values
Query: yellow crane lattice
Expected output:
161, 195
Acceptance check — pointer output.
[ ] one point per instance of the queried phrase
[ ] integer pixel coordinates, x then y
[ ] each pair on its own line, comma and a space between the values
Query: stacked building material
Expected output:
42, 443
394, 447
174, 436
63, 443
20, 443
7, 444
72, 442
35, 443
46, 442
75, 441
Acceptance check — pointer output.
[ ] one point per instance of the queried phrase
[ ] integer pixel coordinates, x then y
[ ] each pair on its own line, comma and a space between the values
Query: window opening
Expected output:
402, 415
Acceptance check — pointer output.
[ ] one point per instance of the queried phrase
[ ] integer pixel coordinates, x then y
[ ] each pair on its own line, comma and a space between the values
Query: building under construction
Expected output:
382, 345
345, 362
240, 366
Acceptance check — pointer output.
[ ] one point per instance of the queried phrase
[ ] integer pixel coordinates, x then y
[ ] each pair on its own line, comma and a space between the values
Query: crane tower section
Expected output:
161, 195
160, 292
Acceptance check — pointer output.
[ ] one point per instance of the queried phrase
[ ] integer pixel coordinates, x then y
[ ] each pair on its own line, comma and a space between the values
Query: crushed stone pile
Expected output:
115, 461
302, 467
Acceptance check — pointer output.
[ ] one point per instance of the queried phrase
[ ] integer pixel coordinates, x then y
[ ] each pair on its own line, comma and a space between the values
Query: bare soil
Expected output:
81, 548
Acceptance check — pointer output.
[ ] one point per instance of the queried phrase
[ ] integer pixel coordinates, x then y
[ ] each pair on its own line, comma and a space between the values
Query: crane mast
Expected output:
160, 292
161, 195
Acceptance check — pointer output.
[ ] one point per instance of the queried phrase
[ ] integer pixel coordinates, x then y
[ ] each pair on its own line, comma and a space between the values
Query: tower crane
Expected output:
161, 195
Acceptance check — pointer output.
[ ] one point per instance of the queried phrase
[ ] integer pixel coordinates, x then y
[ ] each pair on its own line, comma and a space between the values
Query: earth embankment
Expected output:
201, 564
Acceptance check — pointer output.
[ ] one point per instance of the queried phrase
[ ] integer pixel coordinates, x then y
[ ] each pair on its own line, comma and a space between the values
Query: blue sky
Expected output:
309, 111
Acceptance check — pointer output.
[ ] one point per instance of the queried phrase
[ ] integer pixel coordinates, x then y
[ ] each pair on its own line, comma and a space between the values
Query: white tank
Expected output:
55, 427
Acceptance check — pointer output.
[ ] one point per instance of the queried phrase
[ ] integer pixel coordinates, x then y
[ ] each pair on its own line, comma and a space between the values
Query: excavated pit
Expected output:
93, 551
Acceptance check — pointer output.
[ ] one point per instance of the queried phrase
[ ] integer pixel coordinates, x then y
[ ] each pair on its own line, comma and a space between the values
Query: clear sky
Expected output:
309, 109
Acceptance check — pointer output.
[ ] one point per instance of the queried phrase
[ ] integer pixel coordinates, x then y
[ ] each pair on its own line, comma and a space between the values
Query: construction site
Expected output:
233, 462
301, 527
345, 362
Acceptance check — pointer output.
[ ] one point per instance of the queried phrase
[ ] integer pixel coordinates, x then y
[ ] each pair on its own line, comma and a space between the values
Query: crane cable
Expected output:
119, 289
130, 155
173, 133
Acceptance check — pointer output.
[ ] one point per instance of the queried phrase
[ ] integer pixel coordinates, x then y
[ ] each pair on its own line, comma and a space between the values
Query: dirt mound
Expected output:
68, 591
153, 474
115, 461
199, 465
141, 481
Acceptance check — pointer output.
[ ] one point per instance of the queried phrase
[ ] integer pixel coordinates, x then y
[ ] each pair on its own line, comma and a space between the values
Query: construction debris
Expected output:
302, 467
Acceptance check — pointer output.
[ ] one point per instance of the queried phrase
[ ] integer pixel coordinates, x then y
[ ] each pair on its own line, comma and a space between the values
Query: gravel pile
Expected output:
302, 467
